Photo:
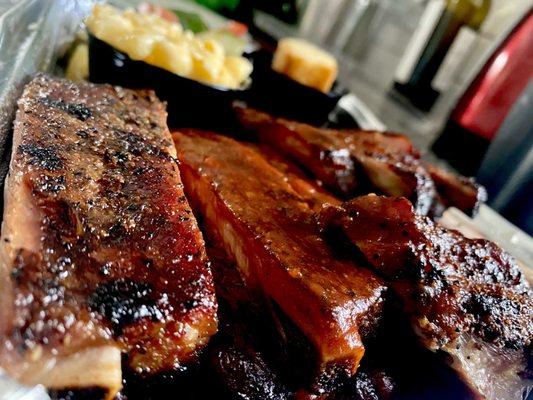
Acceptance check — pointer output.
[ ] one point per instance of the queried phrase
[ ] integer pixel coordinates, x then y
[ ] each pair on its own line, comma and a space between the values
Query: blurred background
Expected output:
455, 75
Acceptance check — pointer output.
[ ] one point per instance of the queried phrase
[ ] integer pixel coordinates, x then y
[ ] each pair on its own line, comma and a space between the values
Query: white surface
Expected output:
11, 390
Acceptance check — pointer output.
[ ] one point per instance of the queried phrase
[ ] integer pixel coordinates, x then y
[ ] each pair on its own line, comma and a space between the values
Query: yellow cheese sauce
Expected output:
165, 44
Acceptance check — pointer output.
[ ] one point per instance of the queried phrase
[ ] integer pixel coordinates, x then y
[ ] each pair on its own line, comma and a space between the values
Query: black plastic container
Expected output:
283, 96
189, 103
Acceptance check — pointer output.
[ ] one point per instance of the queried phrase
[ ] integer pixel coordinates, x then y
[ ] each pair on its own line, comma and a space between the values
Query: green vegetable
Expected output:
191, 21
219, 4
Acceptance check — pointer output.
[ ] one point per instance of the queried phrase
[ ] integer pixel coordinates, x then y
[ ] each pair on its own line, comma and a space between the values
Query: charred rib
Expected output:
100, 253
354, 162
465, 297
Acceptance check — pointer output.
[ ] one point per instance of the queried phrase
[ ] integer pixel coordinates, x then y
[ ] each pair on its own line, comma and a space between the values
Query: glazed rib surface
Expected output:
269, 229
101, 254
353, 162
308, 189
465, 297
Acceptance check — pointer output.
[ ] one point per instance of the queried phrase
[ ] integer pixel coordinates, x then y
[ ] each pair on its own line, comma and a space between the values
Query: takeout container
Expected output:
190, 103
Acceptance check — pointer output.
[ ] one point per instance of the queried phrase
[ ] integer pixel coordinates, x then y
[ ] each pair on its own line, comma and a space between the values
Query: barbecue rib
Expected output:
465, 297
236, 362
100, 251
258, 358
270, 231
352, 162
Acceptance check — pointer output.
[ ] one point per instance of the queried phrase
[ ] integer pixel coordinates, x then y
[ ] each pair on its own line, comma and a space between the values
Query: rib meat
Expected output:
309, 190
353, 162
347, 163
270, 231
457, 191
465, 297
100, 252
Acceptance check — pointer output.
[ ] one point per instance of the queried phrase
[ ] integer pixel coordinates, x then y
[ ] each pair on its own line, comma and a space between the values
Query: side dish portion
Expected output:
465, 297
101, 257
165, 44
269, 229
305, 63
353, 162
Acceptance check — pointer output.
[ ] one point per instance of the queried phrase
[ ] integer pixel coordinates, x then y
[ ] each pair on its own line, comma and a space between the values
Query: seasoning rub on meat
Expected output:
101, 257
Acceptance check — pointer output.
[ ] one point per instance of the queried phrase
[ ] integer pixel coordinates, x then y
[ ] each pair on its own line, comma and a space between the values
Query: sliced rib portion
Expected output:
345, 162
259, 355
100, 252
353, 162
465, 297
269, 230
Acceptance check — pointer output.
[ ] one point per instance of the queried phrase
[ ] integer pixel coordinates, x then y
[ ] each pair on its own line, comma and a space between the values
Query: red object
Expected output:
165, 13
486, 103
237, 28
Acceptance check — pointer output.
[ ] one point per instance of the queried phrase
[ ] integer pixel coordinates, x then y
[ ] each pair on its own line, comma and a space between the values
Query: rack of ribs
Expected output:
353, 162
465, 297
101, 256
270, 232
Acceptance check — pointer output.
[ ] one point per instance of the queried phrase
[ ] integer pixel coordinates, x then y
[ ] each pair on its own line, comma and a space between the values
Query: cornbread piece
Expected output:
270, 231
101, 256
305, 63
465, 297
353, 162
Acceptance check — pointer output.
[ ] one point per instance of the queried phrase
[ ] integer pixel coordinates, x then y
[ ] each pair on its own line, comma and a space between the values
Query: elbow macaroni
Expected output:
150, 38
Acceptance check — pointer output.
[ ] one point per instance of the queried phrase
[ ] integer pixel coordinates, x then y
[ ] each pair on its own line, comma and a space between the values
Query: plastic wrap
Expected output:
33, 33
